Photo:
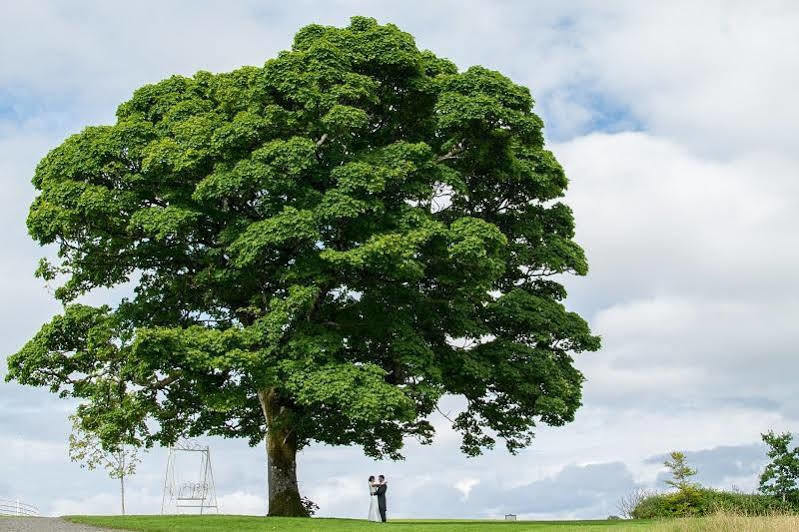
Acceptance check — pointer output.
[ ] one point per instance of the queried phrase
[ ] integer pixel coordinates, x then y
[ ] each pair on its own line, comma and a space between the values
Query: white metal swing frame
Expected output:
199, 494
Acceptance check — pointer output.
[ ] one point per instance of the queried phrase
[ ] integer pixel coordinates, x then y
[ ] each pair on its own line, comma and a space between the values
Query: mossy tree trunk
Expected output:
281, 457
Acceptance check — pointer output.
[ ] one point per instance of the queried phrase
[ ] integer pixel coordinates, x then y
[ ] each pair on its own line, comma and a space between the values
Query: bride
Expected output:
374, 513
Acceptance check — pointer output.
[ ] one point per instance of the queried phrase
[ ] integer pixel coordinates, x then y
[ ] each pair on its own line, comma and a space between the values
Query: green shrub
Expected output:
694, 501
683, 503
751, 504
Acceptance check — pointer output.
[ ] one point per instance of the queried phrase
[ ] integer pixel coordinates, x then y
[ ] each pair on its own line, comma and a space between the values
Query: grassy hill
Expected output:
194, 523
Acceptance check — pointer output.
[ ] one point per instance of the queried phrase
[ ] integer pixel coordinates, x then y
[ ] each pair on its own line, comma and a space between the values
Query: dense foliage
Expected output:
692, 500
320, 249
695, 501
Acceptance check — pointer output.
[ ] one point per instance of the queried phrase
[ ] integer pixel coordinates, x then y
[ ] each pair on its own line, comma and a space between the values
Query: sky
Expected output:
676, 124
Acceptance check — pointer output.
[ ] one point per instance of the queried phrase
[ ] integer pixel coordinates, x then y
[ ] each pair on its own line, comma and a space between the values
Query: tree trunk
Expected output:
281, 458
122, 491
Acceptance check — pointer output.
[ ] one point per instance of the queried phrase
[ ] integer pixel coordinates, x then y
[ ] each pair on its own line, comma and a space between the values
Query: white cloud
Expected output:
691, 268
655, 217
709, 73
465, 486
99, 504
30, 451
109, 502
242, 503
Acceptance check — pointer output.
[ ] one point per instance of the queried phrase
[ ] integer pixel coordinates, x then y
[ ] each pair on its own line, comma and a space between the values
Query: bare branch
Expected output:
628, 503
445, 415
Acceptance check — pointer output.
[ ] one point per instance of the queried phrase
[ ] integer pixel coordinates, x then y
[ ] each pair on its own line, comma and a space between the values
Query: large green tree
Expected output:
320, 249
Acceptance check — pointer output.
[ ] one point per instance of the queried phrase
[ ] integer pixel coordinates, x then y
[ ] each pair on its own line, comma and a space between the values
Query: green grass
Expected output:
196, 523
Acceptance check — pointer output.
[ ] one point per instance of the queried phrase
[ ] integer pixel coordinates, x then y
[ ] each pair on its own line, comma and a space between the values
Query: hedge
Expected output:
695, 501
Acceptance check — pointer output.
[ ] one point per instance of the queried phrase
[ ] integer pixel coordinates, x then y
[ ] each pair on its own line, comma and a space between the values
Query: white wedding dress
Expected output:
374, 512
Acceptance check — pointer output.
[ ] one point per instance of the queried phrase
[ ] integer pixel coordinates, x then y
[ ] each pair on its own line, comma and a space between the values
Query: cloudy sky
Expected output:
677, 125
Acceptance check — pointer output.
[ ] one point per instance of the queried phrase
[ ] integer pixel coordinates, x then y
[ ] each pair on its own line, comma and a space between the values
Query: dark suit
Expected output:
381, 501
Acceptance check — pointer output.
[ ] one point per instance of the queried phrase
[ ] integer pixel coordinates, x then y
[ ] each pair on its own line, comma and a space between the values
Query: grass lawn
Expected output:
195, 523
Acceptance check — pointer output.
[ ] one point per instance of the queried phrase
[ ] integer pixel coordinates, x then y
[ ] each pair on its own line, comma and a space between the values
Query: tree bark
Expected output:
281, 458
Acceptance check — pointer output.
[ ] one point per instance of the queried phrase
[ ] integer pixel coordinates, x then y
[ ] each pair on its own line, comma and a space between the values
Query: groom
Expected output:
381, 497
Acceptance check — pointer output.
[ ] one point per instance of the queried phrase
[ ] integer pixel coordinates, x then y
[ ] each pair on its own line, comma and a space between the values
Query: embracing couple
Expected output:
377, 498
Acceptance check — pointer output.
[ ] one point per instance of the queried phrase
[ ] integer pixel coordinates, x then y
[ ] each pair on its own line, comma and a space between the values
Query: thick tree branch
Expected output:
166, 381
451, 154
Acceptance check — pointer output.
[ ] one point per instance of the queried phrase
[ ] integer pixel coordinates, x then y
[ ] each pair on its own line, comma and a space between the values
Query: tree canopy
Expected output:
320, 249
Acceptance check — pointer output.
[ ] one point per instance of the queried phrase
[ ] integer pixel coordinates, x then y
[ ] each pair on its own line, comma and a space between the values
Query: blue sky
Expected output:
676, 123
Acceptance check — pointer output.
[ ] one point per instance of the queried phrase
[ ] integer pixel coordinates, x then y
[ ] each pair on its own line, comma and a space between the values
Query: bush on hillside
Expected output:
694, 501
